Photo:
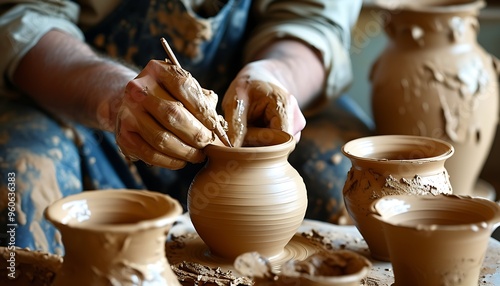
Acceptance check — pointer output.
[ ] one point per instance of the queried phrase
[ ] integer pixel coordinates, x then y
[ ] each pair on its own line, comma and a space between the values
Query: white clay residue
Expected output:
40, 178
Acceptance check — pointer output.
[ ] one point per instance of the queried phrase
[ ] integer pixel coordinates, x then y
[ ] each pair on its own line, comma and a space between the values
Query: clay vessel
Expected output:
437, 240
332, 268
248, 199
387, 165
433, 79
114, 237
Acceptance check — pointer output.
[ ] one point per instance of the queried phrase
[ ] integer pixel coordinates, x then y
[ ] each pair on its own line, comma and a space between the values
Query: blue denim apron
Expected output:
207, 46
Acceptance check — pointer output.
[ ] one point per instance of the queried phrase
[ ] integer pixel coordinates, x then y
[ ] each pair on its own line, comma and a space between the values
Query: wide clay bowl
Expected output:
436, 240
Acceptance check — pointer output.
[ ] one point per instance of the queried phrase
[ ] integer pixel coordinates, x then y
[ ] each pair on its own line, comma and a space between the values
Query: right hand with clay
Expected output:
257, 97
166, 118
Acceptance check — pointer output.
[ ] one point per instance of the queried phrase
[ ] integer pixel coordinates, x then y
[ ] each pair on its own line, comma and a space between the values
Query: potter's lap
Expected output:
50, 159
34, 149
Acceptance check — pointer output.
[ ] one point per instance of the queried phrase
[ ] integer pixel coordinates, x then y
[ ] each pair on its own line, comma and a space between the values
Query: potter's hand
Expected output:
166, 118
257, 98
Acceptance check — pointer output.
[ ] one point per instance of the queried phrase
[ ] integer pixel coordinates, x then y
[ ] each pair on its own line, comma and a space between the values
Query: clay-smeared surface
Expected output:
33, 268
192, 261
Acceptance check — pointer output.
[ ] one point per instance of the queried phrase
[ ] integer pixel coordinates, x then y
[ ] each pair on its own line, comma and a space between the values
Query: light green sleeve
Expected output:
323, 24
23, 23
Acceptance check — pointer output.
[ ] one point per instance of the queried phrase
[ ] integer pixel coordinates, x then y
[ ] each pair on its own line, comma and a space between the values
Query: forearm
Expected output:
298, 67
322, 25
63, 75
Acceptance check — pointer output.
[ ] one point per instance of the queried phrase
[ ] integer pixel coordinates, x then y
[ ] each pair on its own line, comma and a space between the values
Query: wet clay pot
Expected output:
388, 165
334, 268
433, 79
437, 240
114, 237
248, 199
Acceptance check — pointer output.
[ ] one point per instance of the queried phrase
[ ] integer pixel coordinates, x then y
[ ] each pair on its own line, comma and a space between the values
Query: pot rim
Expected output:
59, 214
370, 142
277, 140
493, 221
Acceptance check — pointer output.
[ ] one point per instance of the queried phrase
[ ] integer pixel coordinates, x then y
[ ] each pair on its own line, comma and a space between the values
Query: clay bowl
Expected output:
436, 240
334, 268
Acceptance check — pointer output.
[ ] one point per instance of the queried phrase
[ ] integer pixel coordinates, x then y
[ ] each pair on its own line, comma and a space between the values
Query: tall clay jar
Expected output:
114, 237
248, 198
391, 165
433, 79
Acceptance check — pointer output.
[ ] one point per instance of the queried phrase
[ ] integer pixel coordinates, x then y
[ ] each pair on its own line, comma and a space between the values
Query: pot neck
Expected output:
403, 168
416, 29
276, 151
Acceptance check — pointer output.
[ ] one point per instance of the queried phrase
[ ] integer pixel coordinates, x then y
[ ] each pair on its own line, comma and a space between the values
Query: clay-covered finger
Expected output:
211, 97
186, 89
268, 102
149, 155
236, 116
166, 142
173, 116
134, 146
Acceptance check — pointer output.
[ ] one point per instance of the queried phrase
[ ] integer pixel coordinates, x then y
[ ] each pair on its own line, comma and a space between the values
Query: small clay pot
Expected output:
387, 165
332, 268
248, 199
114, 237
436, 240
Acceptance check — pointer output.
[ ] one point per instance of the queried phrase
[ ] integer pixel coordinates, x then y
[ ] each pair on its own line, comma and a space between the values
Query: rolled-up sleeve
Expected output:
325, 25
23, 23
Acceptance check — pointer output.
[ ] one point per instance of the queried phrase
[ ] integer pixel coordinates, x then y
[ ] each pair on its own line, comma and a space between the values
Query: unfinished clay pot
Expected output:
248, 198
325, 267
387, 165
333, 268
433, 79
114, 237
436, 240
